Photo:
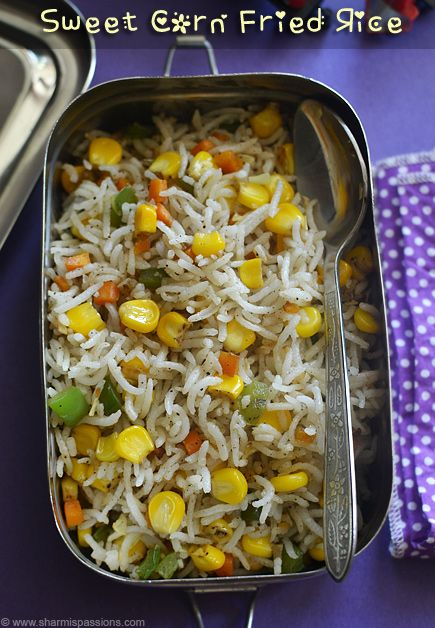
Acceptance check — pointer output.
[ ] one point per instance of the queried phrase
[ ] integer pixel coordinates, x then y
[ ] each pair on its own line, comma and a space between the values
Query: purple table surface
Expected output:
394, 93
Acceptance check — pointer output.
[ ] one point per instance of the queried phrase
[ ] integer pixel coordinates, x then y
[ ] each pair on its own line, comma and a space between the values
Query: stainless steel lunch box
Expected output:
116, 103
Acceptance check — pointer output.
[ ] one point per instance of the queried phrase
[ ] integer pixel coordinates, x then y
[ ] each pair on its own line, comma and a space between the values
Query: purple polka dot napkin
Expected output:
406, 227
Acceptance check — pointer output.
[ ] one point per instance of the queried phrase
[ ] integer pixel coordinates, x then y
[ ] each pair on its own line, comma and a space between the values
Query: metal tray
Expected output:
119, 102
42, 74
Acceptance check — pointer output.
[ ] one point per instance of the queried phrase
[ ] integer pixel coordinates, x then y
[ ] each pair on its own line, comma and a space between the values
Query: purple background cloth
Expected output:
394, 93
406, 221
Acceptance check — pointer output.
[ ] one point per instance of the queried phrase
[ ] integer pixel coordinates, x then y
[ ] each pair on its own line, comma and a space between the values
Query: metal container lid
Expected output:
40, 74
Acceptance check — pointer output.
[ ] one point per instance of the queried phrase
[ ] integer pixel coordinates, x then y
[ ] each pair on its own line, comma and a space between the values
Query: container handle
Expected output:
191, 41
198, 615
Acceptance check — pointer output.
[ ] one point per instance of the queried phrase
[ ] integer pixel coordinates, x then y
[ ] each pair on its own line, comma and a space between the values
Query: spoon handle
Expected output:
339, 517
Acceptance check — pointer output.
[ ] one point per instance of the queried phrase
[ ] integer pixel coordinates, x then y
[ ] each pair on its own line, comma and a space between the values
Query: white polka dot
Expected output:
421, 262
429, 461
392, 181
395, 323
389, 233
419, 241
402, 170
412, 429
387, 213
392, 304
426, 508
409, 407
400, 342
418, 310
411, 272
409, 483
381, 173
412, 506
425, 395
431, 252
424, 189
409, 251
426, 440
416, 220
429, 231
425, 418
383, 193
431, 320
413, 293
425, 373
409, 333
413, 200
419, 471
393, 254
430, 540
417, 527
396, 274
427, 303
403, 210
415, 553
421, 328
407, 385
427, 210
406, 462
415, 450
423, 283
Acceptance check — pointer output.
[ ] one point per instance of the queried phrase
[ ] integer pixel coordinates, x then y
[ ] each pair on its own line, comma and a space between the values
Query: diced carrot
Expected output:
142, 244
202, 145
192, 442
229, 363
291, 308
190, 253
155, 188
222, 137
163, 215
77, 261
73, 513
227, 568
62, 283
122, 183
108, 293
303, 437
228, 161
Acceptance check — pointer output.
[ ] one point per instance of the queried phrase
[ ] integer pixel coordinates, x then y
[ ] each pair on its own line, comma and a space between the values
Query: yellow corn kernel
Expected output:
365, 321
84, 318
286, 158
86, 437
219, 530
101, 484
70, 489
253, 195
283, 221
230, 386
311, 322
251, 273
238, 337
200, 163
317, 552
81, 470
229, 485
134, 444
81, 533
166, 511
141, 315
105, 451
345, 272
65, 179
289, 482
302, 436
171, 329
361, 260
208, 558
104, 151
279, 419
133, 368
137, 551
266, 122
145, 219
287, 193
167, 164
260, 546
207, 244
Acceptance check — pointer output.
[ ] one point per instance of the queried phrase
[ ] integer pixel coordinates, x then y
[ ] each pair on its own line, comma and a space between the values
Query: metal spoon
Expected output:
330, 168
